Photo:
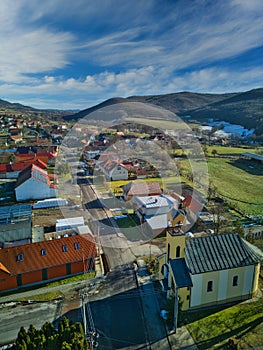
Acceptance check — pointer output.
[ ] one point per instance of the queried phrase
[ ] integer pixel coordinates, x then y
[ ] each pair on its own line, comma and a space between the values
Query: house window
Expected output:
20, 257
43, 252
209, 286
77, 246
64, 248
235, 281
177, 252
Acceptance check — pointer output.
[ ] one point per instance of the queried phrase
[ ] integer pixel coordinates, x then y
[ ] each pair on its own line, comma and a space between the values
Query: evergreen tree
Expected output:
69, 336
65, 346
48, 329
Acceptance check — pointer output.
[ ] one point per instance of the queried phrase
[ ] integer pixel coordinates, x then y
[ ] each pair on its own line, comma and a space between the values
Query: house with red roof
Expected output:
135, 189
45, 153
114, 170
34, 183
47, 260
192, 208
12, 170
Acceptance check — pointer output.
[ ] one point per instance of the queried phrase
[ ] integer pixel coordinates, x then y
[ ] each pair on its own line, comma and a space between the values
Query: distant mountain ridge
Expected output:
243, 108
38, 114
14, 106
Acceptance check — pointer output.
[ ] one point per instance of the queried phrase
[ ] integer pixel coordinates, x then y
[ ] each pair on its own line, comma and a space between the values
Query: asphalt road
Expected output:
117, 312
117, 309
108, 235
13, 317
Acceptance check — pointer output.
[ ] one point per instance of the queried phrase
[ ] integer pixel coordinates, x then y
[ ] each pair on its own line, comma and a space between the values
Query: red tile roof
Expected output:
192, 204
24, 165
5, 168
33, 260
142, 188
35, 172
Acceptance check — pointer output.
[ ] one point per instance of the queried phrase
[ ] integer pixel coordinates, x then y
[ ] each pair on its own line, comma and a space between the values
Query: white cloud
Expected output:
151, 48
26, 49
73, 93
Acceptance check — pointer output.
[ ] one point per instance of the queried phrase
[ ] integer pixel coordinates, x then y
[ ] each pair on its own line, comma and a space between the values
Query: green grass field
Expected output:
239, 183
242, 321
233, 150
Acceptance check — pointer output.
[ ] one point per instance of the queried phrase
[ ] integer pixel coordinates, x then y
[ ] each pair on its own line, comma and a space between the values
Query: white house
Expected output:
154, 205
34, 183
114, 171
155, 212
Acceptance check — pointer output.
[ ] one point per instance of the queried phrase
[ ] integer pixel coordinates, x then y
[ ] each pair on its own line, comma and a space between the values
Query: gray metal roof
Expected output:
156, 201
253, 156
218, 252
180, 273
15, 213
157, 221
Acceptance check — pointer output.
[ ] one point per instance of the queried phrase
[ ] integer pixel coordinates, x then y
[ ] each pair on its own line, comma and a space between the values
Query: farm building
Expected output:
43, 261
69, 223
15, 225
33, 183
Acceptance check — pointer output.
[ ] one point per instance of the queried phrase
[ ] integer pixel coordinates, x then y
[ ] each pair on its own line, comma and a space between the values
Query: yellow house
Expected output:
208, 270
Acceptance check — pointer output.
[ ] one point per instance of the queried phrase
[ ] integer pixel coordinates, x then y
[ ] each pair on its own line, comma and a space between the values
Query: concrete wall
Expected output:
13, 232
33, 189
118, 174
223, 289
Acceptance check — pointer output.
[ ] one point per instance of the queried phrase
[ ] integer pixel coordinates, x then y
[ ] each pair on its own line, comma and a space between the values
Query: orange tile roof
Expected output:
16, 137
33, 260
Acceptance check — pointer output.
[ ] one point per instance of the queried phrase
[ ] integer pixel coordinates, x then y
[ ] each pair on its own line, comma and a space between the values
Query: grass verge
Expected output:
43, 296
44, 286
243, 322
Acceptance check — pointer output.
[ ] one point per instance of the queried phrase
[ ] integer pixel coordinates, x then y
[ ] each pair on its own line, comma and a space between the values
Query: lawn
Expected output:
130, 227
238, 184
243, 321
233, 150
168, 183
238, 181
43, 296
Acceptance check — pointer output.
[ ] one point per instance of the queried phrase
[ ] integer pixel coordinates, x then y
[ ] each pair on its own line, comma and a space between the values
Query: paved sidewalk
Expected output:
182, 340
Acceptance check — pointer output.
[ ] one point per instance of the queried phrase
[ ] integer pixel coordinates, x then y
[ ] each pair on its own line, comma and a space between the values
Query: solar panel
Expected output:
8, 213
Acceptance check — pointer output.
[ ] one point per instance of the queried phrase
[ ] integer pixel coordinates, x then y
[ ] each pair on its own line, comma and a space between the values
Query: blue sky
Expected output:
73, 54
